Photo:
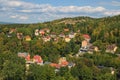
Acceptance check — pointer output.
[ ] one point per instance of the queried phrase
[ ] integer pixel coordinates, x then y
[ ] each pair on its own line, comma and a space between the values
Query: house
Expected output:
112, 70
19, 35
38, 59
72, 35
84, 48
28, 62
62, 59
92, 49
63, 62
111, 48
57, 70
12, 30
86, 37
71, 64
56, 39
22, 54
9, 35
42, 32
66, 29
55, 65
84, 44
46, 30
27, 38
62, 35
78, 31
47, 38
67, 39
53, 35
36, 32
27, 67
27, 58
81, 52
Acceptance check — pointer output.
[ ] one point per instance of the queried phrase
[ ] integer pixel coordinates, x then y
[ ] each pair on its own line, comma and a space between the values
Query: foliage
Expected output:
103, 31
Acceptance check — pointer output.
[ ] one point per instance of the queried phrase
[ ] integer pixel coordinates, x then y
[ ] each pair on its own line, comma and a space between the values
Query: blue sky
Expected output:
32, 11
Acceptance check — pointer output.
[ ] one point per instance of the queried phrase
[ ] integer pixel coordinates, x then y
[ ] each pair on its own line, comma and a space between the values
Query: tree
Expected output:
78, 38
12, 67
82, 72
38, 72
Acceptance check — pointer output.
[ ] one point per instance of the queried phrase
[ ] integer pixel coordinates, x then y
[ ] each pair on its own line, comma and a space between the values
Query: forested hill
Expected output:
105, 29
86, 43
86, 19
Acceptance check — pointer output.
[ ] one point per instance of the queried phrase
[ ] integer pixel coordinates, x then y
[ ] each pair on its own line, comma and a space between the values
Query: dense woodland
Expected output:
96, 66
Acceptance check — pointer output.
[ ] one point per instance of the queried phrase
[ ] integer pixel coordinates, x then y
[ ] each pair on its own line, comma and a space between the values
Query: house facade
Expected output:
111, 48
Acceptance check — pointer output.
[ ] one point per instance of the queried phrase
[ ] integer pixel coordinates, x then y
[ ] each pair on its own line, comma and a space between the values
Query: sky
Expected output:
34, 11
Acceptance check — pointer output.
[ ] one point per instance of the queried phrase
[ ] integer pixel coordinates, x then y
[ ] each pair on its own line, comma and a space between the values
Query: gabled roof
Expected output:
86, 36
37, 59
55, 65
64, 63
12, 30
27, 36
66, 29
28, 57
111, 47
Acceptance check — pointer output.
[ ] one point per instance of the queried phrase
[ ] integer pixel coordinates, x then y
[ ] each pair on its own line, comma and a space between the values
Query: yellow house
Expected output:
67, 39
66, 29
84, 43
27, 38
96, 48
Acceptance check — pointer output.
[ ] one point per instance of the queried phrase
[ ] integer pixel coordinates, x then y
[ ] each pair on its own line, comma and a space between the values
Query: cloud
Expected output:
86, 9
26, 11
19, 9
14, 16
64, 9
23, 17
109, 13
16, 3
19, 17
115, 3
20, 6
112, 3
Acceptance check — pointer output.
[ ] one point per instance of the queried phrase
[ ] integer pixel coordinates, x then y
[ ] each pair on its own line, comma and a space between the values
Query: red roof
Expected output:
42, 32
86, 36
55, 65
28, 57
64, 63
37, 59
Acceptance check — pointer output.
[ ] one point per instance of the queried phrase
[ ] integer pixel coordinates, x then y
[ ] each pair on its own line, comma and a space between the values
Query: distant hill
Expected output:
82, 19
6, 23
9, 23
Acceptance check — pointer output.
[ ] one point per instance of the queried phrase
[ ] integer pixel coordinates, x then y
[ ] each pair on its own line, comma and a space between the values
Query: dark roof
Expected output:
110, 47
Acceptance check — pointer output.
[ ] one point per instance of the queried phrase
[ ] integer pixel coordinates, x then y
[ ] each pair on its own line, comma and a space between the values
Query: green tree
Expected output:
38, 72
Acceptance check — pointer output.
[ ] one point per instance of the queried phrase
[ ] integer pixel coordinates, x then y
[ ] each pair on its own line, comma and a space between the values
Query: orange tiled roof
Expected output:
28, 57
55, 65
37, 59
86, 36
64, 63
